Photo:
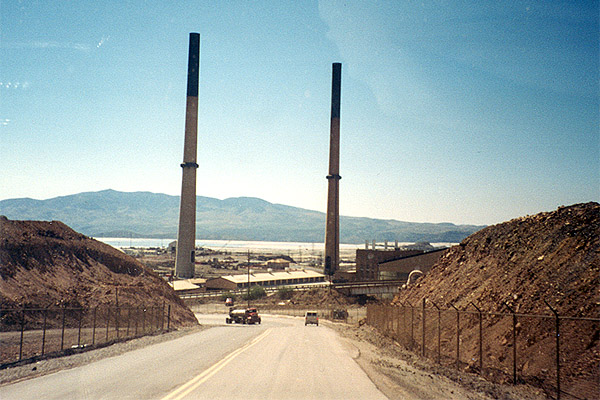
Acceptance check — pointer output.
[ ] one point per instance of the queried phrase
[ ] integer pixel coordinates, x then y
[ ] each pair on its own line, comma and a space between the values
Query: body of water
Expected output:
242, 245
227, 245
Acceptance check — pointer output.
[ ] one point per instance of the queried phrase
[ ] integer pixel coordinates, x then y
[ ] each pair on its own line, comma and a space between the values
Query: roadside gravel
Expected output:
400, 374
50, 365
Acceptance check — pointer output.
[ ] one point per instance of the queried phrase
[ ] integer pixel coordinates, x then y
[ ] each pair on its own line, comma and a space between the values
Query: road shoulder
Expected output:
399, 373
51, 365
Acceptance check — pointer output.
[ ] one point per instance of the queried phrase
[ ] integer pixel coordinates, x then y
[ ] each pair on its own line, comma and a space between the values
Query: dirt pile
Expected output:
46, 264
551, 256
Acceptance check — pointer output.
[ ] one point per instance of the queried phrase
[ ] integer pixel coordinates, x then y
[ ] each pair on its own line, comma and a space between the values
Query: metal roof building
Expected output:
294, 277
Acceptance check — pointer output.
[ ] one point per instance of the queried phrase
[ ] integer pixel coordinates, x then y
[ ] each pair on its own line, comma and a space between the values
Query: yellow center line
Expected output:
188, 387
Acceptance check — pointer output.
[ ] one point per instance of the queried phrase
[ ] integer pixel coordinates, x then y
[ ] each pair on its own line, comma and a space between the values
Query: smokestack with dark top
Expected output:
332, 233
186, 236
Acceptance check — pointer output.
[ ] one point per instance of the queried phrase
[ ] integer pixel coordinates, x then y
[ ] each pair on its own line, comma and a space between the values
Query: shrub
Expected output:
225, 295
256, 292
285, 293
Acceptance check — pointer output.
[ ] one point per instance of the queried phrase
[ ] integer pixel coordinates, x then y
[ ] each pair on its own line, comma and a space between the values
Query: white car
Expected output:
311, 317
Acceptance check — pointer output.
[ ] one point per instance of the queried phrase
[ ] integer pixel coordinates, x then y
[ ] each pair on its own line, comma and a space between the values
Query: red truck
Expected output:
243, 316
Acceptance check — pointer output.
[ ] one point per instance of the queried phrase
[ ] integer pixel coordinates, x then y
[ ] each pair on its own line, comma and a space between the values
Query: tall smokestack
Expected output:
332, 232
186, 236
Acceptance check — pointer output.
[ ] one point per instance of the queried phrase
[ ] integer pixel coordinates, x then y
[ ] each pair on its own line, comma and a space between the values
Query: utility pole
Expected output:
248, 278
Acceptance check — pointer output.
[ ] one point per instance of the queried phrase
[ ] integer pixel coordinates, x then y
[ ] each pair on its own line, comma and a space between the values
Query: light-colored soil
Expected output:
400, 374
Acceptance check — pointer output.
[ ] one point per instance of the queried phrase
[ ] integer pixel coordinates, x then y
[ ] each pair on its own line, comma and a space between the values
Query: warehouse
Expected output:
293, 277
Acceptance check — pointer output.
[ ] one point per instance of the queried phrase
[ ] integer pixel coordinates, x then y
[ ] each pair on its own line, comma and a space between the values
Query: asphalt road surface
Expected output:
279, 359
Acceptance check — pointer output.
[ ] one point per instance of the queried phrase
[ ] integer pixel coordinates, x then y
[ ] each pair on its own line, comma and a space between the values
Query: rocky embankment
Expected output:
522, 264
46, 264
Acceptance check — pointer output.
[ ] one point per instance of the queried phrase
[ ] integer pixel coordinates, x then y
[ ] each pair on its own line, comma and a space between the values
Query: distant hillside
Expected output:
109, 213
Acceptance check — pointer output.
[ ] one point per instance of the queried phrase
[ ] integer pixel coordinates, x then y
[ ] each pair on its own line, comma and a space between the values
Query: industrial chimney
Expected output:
332, 232
186, 236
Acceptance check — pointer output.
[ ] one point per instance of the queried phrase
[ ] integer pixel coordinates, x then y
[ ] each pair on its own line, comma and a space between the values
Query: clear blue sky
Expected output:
465, 112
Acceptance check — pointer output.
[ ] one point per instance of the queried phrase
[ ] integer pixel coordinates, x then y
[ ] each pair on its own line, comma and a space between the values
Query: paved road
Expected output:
279, 359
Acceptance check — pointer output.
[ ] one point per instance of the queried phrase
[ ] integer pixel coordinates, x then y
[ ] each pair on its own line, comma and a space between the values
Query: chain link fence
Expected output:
560, 354
28, 334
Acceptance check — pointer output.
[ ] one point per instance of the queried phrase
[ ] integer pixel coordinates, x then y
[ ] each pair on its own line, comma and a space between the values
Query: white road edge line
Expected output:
186, 388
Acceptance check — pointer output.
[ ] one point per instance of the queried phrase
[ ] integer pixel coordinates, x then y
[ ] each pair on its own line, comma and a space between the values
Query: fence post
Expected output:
412, 324
79, 329
128, 319
107, 321
22, 331
387, 319
117, 319
557, 323
396, 321
439, 331
162, 317
423, 333
94, 326
169, 317
480, 338
44, 330
156, 318
457, 336
62, 335
514, 331
403, 334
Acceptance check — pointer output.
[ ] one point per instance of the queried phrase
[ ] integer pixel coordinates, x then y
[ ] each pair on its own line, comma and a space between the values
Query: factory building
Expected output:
372, 264
402, 267
265, 279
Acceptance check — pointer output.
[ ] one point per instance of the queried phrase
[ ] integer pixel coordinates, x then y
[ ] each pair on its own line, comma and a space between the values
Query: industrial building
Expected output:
265, 279
402, 267
279, 263
372, 264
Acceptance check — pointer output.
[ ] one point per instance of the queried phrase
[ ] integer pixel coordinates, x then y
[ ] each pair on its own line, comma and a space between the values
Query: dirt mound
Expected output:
551, 256
47, 263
